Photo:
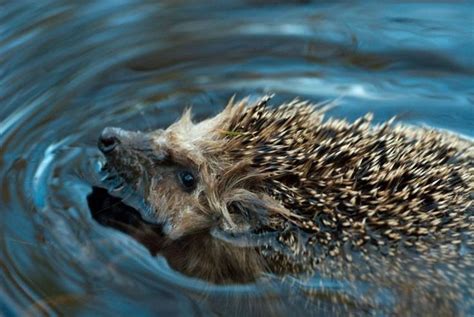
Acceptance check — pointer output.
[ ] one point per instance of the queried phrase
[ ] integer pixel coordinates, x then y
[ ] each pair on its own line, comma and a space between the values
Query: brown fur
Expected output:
281, 190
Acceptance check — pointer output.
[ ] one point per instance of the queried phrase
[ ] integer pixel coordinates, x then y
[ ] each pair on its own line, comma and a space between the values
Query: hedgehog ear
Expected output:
239, 226
247, 216
250, 218
251, 212
257, 210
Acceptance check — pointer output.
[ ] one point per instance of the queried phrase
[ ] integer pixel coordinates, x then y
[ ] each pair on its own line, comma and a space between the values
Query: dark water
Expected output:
68, 69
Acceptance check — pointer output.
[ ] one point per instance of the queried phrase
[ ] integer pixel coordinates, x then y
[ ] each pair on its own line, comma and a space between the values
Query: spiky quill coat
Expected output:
383, 186
290, 192
398, 199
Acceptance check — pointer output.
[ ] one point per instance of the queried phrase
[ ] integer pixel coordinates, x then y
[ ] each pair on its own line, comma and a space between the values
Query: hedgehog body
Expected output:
259, 189
383, 187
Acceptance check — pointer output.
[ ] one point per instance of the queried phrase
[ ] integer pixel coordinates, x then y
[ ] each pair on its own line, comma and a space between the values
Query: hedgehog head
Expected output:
190, 177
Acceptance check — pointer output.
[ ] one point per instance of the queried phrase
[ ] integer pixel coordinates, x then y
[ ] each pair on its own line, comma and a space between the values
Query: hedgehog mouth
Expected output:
116, 185
112, 180
110, 210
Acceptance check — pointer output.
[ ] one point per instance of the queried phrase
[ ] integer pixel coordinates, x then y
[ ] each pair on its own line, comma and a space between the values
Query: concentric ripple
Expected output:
70, 68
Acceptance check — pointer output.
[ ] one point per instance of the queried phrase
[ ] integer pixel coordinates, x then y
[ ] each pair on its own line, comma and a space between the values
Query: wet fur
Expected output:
315, 194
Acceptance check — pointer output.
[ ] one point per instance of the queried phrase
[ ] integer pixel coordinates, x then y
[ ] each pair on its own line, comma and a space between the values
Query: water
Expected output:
68, 69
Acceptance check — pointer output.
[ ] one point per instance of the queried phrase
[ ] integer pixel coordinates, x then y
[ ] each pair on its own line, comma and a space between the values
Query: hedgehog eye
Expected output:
187, 179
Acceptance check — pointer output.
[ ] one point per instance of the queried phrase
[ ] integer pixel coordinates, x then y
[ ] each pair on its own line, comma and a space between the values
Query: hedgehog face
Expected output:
176, 180
159, 172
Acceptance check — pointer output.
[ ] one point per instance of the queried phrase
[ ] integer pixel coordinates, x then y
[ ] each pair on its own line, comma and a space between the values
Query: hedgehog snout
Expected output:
109, 140
112, 139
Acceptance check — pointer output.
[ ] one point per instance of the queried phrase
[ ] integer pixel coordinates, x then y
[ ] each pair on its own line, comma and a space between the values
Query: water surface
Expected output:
68, 69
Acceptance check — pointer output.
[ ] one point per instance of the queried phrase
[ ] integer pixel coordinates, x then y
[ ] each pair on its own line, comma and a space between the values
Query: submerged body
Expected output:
280, 190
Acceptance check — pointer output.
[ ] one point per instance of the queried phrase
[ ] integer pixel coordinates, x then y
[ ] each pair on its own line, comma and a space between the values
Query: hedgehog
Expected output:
282, 190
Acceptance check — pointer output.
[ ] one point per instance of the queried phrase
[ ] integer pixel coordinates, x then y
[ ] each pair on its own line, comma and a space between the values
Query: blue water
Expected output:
70, 68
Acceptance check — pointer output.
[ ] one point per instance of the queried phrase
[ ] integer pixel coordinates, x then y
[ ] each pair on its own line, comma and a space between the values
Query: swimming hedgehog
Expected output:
260, 189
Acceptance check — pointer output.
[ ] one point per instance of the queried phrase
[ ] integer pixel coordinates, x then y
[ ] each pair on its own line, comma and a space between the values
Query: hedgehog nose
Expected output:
108, 140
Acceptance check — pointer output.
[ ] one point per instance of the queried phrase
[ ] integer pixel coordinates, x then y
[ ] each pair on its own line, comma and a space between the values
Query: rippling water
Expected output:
68, 69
